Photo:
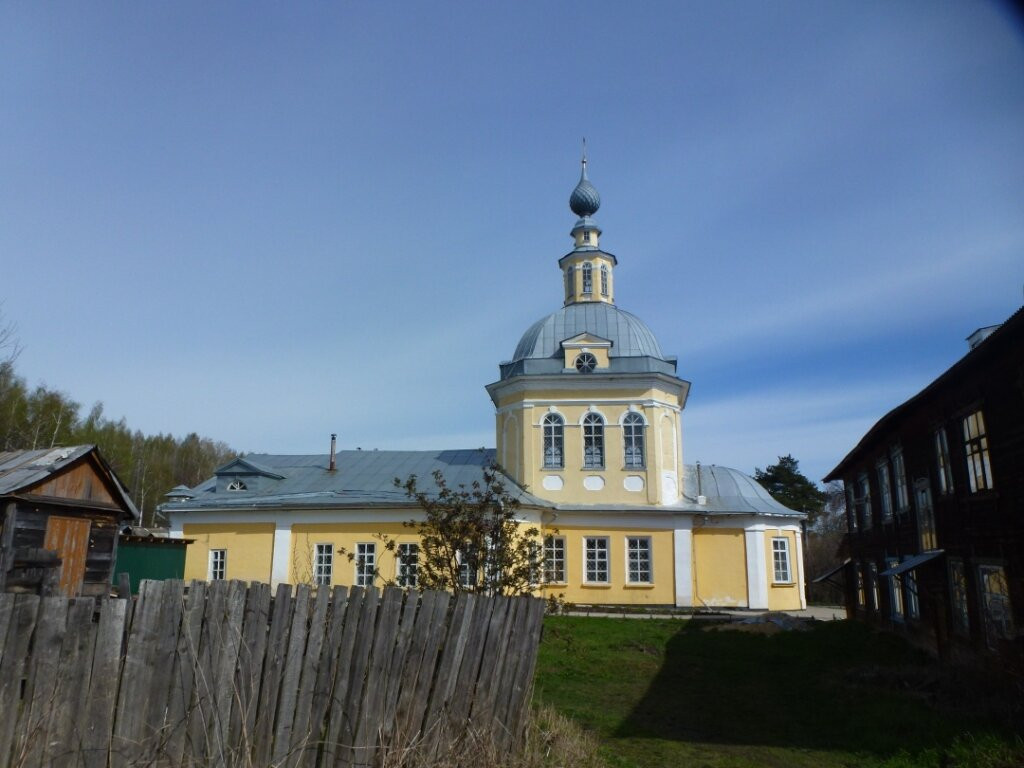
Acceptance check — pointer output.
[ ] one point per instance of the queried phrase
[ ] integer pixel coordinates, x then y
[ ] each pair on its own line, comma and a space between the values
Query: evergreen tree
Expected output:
790, 487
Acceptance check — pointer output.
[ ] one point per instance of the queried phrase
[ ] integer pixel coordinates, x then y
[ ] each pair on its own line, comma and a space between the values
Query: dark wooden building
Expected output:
935, 508
60, 513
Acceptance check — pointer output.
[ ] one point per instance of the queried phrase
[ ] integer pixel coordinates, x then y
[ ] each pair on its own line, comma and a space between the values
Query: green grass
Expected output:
667, 693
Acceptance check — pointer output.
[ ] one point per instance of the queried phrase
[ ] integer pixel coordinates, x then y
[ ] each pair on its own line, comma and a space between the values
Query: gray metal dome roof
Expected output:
629, 335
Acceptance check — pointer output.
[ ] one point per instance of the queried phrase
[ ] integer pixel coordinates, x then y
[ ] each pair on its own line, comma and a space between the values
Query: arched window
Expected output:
570, 279
604, 280
237, 485
633, 440
588, 277
593, 441
554, 439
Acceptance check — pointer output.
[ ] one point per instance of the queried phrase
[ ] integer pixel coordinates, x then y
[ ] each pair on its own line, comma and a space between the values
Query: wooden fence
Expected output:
221, 674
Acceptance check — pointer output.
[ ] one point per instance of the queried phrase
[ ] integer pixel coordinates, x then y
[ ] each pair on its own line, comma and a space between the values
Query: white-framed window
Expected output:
588, 277
995, 604
638, 560
884, 486
979, 469
237, 485
958, 597
858, 570
408, 565
366, 563
780, 560
913, 603
942, 460
873, 585
863, 501
554, 441
554, 559
604, 280
468, 573
899, 473
570, 282
595, 550
218, 564
633, 440
895, 592
323, 564
586, 236
593, 441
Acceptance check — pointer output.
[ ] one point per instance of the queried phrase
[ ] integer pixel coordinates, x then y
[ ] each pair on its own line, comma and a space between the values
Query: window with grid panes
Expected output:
942, 459
638, 554
554, 559
780, 560
366, 564
218, 564
323, 564
408, 564
979, 470
595, 550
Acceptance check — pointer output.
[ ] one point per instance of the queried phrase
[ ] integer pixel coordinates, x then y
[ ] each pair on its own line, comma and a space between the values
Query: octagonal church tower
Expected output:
588, 410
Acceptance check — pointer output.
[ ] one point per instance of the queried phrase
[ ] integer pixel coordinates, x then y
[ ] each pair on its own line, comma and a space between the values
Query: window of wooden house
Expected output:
996, 610
945, 469
899, 472
979, 470
876, 602
885, 490
858, 570
862, 501
895, 592
958, 597
913, 603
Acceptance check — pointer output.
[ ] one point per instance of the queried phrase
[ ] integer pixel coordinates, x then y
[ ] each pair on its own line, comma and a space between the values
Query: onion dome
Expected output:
584, 200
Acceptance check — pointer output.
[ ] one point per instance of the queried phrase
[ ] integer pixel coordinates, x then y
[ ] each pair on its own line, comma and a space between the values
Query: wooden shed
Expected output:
61, 512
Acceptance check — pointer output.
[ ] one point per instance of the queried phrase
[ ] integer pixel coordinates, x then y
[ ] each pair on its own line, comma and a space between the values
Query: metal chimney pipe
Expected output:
334, 438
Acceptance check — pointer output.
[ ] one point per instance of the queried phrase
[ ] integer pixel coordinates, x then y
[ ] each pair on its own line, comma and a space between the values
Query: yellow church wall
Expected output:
782, 597
305, 537
719, 567
249, 549
617, 592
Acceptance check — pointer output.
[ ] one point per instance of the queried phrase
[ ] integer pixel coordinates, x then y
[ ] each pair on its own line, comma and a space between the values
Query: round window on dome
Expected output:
586, 362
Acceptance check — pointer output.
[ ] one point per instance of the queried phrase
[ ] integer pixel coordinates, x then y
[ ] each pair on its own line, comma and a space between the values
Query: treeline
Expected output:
149, 465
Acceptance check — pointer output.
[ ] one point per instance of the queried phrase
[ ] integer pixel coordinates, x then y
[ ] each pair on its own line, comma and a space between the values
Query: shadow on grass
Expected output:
837, 687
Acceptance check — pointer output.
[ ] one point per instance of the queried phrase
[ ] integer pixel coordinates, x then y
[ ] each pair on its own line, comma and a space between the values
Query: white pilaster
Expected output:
682, 555
800, 576
282, 554
757, 570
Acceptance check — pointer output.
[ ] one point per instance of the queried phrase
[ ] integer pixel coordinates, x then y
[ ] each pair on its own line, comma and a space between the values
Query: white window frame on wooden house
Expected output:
899, 474
895, 592
945, 468
979, 467
885, 486
862, 501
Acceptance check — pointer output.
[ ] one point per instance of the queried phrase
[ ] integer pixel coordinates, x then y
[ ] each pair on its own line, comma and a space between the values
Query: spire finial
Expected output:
584, 200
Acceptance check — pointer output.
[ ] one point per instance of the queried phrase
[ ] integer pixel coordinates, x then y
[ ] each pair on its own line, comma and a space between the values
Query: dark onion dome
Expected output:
584, 200
629, 336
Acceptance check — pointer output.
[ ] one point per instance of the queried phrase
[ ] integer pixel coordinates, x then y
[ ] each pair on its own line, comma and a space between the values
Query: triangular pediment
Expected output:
242, 466
585, 340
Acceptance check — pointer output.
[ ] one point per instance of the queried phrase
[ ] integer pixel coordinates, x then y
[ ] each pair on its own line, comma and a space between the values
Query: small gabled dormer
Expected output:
586, 353
243, 476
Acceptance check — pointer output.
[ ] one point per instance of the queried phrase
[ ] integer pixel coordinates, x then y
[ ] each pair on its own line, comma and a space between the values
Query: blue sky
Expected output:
269, 222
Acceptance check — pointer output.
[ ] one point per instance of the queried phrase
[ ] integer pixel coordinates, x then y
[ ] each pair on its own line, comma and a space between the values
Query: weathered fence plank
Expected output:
224, 677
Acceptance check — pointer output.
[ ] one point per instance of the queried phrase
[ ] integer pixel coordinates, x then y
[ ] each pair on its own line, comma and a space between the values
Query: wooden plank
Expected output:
343, 669
465, 684
67, 730
414, 700
524, 693
6, 615
304, 732
371, 711
356, 678
199, 748
103, 683
183, 669
7, 528
163, 645
69, 538
228, 626
448, 668
136, 675
255, 624
397, 671
289, 692
326, 671
517, 680
12, 669
273, 666
38, 705
491, 664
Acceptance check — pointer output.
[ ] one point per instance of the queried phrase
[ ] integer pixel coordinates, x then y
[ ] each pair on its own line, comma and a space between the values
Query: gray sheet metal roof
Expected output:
20, 469
629, 335
362, 478
366, 478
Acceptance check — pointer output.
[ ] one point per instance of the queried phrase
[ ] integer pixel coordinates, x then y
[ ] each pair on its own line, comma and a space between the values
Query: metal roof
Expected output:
23, 469
629, 335
366, 478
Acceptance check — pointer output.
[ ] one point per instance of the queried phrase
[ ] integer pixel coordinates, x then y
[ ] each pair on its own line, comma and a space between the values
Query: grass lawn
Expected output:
670, 693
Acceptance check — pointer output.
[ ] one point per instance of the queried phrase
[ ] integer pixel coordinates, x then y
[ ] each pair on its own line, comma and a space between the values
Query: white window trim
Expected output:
564, 559
212, 565
329, 564
788, 560
363, 579
401, 569
650, 560
607, 559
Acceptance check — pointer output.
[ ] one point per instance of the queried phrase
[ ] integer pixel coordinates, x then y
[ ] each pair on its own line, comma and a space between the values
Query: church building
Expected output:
588, 416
